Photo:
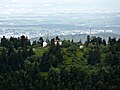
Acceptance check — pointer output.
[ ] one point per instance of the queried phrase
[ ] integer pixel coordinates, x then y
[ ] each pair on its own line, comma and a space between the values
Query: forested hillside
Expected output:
61, 65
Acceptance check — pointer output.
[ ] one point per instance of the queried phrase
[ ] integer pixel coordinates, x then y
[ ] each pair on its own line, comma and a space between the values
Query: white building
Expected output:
44, 44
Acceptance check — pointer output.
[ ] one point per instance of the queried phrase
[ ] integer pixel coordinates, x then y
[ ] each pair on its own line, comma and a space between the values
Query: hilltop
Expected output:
93, 65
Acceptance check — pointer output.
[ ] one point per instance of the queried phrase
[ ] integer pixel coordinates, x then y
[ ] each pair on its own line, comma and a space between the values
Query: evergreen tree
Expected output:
4, 42
88, 40
45, 62
94, 56
41, 41
104, 42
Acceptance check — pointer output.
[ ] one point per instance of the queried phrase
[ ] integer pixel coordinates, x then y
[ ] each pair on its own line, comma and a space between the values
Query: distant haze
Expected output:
37, 17
21, 7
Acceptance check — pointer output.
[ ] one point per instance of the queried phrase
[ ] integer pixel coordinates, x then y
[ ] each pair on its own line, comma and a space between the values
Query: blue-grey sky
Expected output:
56, 6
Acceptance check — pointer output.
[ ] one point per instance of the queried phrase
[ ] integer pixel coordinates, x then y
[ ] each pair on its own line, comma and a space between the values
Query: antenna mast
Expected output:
90, 30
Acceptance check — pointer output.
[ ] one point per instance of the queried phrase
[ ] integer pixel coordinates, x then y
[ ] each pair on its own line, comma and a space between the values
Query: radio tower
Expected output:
90, 30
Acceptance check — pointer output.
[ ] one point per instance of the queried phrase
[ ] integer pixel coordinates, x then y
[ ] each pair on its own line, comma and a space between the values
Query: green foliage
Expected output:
66, 44
55, 67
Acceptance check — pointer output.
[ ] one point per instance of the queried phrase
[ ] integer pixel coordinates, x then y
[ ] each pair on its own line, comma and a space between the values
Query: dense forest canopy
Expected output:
59, 65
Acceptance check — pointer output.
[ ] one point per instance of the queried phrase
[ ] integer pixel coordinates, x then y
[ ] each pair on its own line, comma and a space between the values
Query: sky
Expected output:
18, 7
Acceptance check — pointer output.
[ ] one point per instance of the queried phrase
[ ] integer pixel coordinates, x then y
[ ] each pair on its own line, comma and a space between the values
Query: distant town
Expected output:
32, 34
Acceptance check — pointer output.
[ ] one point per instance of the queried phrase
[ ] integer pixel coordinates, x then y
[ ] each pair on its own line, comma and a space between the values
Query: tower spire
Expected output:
90, 30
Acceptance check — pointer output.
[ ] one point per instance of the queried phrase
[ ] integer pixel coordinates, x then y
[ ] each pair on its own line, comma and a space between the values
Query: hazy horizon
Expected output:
31, 7
19, 17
